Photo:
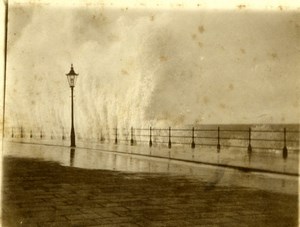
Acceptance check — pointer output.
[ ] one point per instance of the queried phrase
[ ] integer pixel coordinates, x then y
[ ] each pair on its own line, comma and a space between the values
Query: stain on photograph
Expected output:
150, 114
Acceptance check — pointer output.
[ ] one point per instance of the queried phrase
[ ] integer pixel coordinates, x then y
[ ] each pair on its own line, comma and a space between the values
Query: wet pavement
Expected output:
128, 161
259, 160
57, 186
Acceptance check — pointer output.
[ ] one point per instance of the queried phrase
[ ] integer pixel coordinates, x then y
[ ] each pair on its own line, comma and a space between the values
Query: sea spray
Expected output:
143, 68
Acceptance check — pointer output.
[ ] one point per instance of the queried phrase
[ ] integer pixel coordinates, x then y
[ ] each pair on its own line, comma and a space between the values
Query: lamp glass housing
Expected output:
72, 77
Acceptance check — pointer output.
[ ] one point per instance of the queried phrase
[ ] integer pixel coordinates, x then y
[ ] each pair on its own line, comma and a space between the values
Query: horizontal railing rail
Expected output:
264, 139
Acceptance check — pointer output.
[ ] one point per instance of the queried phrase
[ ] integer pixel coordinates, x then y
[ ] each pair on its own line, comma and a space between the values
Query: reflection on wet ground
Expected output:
126, 162
258, 160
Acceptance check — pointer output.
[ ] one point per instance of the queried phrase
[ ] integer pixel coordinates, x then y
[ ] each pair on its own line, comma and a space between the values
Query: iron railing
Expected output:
219, 137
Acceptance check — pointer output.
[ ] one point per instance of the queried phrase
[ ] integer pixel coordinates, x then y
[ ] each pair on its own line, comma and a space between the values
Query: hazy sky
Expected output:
161, 67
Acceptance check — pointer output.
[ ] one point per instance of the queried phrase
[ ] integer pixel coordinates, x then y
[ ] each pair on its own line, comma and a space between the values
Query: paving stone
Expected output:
91, 216
75, 217
116, 225
111, 205
41, 193
116, 220
54, 224
116, 209
67, 212
106, 214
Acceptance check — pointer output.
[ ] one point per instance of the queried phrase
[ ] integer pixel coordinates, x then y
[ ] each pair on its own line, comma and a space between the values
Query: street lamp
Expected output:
72, 76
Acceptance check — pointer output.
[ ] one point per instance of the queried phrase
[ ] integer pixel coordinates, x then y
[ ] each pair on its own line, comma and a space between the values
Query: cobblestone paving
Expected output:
39, 193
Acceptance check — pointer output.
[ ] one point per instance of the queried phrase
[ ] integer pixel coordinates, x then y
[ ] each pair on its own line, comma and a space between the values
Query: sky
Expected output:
161, 67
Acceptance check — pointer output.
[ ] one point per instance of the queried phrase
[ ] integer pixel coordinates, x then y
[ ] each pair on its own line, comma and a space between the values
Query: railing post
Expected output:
101, 136
169, 144
193, 139
218, 145
12, 132
131, 135
284, 150
249, 145
30, 133
150, 134
116, 136
21, 132
63, 134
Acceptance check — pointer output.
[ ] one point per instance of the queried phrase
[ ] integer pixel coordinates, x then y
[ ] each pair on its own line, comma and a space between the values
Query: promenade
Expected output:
41, 190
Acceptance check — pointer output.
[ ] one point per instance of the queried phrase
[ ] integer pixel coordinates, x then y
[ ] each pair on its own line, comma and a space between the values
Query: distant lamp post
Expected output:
72, 76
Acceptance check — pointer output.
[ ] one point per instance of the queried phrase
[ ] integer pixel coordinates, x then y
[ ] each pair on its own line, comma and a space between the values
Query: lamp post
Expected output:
72, 76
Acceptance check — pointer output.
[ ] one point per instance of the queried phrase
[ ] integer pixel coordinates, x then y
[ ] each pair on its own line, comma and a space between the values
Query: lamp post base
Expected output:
72, 144
72, 137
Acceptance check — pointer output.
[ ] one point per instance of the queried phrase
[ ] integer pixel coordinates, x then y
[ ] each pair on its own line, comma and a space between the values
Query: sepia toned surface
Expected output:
159, 67
185, 114
132, 191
